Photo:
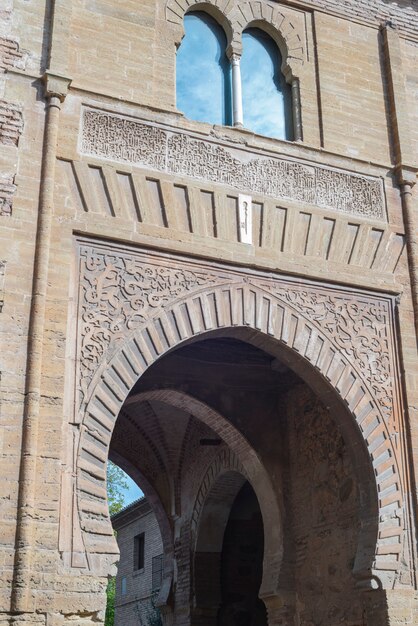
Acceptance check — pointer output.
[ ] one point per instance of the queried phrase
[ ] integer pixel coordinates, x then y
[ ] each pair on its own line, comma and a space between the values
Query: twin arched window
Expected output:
207, 91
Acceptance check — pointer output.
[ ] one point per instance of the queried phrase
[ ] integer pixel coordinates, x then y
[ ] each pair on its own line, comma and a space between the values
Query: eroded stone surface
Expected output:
319, 291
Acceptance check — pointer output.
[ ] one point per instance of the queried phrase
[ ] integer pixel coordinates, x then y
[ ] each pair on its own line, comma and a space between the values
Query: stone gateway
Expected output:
209, 276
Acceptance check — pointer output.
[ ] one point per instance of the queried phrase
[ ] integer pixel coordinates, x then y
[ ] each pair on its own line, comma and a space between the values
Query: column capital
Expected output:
56, 84
406, 175
234, 53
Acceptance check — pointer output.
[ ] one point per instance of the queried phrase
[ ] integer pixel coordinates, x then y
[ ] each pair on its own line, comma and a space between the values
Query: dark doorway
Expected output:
242, 563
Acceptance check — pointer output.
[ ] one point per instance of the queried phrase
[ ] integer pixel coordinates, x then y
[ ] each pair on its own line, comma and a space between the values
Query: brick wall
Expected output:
7, 190
10, 54
323, 506
11, 123
133, 606
137, 71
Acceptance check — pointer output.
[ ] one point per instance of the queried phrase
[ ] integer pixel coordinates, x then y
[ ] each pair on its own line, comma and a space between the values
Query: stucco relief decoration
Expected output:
109, 136
123, 139
359, 328
120, 293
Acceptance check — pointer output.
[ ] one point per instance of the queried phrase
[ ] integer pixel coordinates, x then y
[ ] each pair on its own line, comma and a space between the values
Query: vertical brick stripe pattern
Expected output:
7, 189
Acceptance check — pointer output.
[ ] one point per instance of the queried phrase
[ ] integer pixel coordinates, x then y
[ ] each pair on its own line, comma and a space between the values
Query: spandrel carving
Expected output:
106, 135
119, 293
359, 328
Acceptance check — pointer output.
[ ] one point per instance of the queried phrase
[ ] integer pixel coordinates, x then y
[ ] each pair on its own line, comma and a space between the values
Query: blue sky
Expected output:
204, 78
262, 85
203, 72
132, 493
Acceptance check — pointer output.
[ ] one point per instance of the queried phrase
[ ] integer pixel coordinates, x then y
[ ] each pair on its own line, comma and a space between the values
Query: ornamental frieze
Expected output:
110, 136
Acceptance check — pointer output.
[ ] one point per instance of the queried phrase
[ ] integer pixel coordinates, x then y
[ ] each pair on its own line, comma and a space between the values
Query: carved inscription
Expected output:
110, 136
120, 138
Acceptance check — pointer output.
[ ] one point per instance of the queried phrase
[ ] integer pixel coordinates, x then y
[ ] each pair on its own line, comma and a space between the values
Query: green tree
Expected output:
110, 603
148, 614
116, 486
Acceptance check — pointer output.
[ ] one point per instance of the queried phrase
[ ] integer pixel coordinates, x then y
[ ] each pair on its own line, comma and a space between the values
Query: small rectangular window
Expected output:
139, 545
157, 572
123, 586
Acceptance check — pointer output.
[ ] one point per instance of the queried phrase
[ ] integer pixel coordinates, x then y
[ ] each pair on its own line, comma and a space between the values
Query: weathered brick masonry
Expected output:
11, 122
229, 317
135, 588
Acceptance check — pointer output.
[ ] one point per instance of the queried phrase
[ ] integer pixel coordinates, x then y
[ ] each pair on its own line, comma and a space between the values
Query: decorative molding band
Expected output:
110, 136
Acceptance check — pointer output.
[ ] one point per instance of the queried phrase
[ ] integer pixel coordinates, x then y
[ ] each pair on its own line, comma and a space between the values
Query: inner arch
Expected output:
232, 393
277, 331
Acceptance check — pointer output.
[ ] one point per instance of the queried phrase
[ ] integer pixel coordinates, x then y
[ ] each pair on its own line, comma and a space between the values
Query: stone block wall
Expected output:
323, 503
118, 58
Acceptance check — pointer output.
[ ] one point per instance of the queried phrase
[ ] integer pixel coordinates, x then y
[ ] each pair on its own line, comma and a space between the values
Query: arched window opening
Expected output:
203, 78
267, 98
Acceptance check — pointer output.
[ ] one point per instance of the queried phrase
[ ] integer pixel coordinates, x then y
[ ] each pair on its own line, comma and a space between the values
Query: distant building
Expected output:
140, 566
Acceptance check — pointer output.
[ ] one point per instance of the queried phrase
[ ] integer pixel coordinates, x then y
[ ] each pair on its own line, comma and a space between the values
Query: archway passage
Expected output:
339, 342
214, 415
242, 563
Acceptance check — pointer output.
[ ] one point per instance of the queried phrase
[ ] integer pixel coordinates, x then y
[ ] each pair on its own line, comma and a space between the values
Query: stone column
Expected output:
404, 157
296, 110
22, 600
406, 183
238, 116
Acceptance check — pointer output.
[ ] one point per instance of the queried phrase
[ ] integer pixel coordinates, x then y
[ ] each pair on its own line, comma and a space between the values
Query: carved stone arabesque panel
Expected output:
110, 136
358, 326
121, 291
